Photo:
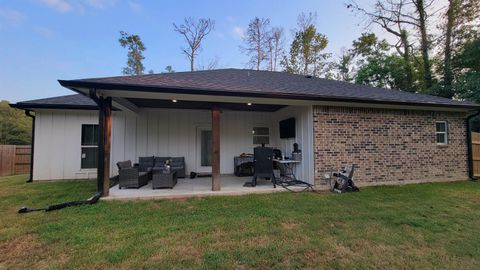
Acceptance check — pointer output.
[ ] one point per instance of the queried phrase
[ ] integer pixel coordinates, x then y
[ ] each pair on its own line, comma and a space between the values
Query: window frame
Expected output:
445, 133
82, 145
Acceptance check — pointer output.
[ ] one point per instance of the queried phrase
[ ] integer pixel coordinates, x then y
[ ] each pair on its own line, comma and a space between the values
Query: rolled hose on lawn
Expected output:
53, 207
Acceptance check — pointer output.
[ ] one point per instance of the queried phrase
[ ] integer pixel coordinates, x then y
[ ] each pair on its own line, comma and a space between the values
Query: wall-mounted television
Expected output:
287, 128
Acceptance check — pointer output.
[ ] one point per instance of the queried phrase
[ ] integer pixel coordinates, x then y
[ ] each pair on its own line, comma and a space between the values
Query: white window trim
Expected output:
86, 146
442, 132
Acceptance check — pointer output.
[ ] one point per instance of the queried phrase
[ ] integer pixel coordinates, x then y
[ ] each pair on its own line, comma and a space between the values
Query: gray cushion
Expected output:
160, 161
124, 164
177, 161
146, 161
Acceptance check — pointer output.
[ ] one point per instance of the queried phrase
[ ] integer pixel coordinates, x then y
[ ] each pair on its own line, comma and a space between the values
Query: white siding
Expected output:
303, 136
57, 144
160, 132
165, 132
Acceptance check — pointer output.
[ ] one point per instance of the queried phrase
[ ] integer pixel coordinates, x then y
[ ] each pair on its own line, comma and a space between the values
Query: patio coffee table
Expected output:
161, 179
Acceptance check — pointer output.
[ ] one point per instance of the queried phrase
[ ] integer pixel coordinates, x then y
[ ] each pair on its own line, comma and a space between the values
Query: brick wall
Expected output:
389, 146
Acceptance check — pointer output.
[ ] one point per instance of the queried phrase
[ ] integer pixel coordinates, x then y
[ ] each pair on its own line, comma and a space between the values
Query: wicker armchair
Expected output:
130, 177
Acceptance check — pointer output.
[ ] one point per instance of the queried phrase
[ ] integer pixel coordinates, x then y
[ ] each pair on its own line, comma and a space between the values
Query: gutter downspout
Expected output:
469, 146
29, 114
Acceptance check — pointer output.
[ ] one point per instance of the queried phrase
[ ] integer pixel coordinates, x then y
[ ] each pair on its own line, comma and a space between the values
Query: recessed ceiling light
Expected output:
249, 104
174, 100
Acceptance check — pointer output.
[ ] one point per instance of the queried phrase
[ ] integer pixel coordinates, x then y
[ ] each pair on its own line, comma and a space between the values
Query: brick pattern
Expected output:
389, 146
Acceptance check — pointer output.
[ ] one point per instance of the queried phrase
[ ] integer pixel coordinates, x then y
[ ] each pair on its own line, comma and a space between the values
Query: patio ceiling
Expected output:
202, 105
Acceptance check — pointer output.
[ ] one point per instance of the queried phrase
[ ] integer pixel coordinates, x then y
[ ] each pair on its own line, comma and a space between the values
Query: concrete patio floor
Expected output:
198, 187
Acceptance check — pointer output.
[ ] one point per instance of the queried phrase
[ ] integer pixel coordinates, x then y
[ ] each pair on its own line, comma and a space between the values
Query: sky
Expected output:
42, 41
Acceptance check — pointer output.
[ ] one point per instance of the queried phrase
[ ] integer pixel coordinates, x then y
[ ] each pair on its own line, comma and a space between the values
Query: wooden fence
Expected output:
476, 153
14, 159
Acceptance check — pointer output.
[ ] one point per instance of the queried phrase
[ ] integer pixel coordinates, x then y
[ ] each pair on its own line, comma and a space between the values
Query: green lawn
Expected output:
413, 226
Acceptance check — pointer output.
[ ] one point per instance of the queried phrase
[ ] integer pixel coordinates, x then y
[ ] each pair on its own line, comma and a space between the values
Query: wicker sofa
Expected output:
146, 164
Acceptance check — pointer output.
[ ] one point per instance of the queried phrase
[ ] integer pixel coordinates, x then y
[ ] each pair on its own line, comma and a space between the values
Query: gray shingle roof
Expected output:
254, 83
76, 101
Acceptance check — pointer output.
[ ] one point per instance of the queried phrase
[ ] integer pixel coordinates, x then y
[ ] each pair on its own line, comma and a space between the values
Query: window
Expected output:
441, 132
89, 146
261, 135
206, 148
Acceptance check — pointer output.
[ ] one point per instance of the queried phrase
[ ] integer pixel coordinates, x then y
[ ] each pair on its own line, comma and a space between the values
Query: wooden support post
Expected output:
216, 149
106, 154
101, 144
105, 128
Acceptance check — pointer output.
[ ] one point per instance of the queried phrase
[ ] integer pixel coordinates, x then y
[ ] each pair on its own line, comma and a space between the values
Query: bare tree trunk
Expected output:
259, 48
275, 55
192, 61
447, 69
305, 60
271, 59
424, 43
406, 58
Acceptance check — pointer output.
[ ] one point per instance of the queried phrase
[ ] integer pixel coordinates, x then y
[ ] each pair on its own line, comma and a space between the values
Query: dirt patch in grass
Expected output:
26, 252
289, 225
259, 241
19, 247
184, 252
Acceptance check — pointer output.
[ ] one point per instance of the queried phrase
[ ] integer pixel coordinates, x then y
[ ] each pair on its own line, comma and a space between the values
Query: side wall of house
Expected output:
389, 146
57, 144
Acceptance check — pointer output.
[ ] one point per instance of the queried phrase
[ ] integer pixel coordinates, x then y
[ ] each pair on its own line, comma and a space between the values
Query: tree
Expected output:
447, 68
425, 42
376, 64
274, 47
387, 71
212, 64
459, 27
135, 56
15, 126
194, 32
344, 66
391, 16
169, 69
368, 45
399, 17
257, 41
306, 54
467, 62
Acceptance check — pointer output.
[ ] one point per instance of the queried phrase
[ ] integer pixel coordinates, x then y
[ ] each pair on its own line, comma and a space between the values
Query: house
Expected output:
390, 136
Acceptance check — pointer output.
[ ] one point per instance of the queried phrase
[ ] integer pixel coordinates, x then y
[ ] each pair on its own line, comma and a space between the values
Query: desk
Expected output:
289, 165
289, 179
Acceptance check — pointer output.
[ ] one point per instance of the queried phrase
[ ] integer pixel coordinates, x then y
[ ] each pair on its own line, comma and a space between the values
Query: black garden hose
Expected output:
53, 207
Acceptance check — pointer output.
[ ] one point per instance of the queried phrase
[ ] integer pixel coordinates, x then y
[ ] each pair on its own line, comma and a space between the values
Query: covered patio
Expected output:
139, 117
198, 187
